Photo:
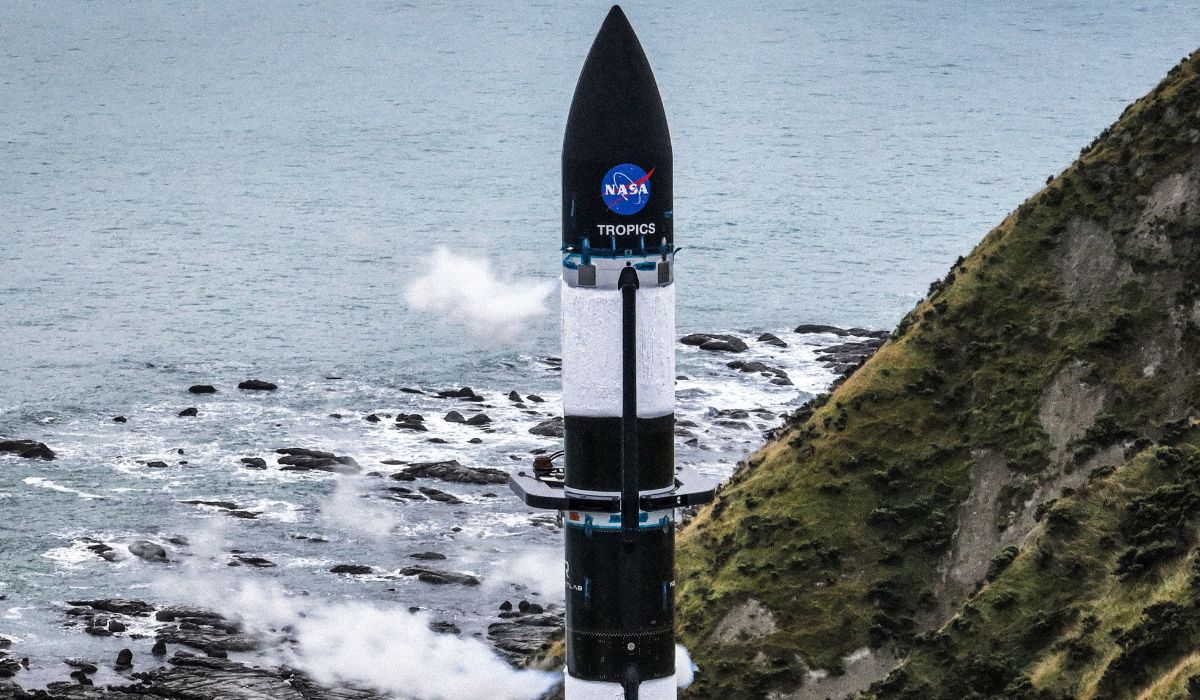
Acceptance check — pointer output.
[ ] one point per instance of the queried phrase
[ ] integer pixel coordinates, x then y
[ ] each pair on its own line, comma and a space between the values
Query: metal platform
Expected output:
691, 489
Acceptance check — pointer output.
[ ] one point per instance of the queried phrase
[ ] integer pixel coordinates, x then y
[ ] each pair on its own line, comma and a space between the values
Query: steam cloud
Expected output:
355, 643
467, 291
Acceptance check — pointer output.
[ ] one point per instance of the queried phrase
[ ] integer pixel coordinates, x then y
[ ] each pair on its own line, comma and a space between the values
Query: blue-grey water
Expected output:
207, 192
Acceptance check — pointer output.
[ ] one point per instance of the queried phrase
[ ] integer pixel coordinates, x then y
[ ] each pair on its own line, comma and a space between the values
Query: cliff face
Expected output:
1003, 499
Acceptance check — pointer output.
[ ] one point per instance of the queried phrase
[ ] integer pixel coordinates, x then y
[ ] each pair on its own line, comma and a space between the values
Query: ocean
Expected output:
203, 193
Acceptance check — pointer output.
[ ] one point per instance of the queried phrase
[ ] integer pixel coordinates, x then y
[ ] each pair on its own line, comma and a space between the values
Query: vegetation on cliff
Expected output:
1002, 498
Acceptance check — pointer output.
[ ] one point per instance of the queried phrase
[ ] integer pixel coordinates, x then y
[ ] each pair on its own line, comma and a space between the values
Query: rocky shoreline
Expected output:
190, 653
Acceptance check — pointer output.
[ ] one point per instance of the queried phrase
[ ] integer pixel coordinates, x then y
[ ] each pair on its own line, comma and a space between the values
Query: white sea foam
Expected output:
44, 483
466, 290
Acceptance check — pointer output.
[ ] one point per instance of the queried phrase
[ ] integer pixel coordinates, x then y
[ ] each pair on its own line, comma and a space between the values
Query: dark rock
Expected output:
257, 385
116, 626
188, 613
303, 459
202, 389
479, 419
157, 464
772, 339
782, 381
435, 576
29, 449
820, 328
254, 462
428, 556
475, 440
159, 649
518, 641
550, 428
868, 333
444, 628
452, 471
715, 342
98, 631
257, 562
402, 476
124, 660
440, 496
120, 419
351, 569
436, 441
372, 418
189, 412
464, 393
224, 505
514, 396
506, 606
81, 665
148, 551
535, 398
120, 606
410, 390
410, 418
413, 425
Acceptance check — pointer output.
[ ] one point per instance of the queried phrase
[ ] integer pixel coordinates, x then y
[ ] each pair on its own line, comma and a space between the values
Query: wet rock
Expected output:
410, 418
444, 628
772, 339
159, 649
479, 419
120, 419
189, 613
869, 333
402, 476
438, 577
535, 398
521, 638
303, 459
120, 606
550, 428
124, 660
514, 396
224, 505
410, 390
414, 426
450, 470
820, 328
256, 562
148, 551
428, 556
351, 569
715, 342
466, 393
782, 381
28, 449
454, 417
440, 496
475, 440
189, 412
81, 665
506, 606
372, 418
116, 626
253, 462
202, 389
257, 385
157, 464
436, 441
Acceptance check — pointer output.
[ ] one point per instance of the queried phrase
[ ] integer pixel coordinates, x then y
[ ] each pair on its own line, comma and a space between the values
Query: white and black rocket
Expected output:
618, 488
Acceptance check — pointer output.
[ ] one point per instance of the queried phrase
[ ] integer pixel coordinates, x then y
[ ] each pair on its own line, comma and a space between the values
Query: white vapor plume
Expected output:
363, 644
466, 290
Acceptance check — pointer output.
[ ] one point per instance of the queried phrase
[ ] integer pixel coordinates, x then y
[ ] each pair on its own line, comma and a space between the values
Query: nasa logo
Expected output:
626, 189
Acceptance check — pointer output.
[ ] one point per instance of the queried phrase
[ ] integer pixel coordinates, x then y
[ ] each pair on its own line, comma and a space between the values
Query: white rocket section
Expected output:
658, 689
591, 347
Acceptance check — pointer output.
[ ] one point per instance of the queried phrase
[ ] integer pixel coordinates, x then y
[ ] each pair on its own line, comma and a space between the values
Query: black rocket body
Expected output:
618, 489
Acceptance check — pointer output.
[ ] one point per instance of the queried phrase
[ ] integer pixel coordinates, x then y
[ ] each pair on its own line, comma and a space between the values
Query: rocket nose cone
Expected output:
616, 105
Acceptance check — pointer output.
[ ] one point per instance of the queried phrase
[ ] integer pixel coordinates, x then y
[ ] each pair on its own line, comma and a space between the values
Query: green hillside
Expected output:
1013, 430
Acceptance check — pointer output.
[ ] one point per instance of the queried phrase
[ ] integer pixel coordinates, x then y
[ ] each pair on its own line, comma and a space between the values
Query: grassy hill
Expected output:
1002, 500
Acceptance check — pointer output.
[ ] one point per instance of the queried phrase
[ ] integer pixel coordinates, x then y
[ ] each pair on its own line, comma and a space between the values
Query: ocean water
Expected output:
203, 193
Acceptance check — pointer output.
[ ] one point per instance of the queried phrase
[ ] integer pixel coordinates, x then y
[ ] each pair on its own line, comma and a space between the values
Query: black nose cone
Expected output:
617, 179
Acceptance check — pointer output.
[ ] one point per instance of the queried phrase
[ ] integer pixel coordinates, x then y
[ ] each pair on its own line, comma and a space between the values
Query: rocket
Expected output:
618, 488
